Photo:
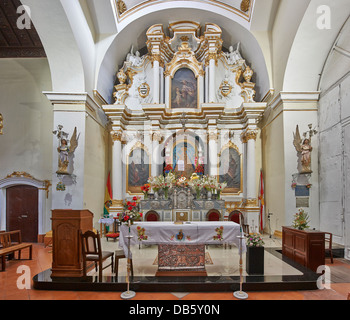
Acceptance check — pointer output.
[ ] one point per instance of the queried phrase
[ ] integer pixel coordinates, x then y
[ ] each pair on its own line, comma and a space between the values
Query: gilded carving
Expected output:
121, 6
117, 135
143, 90
245, 5
249, 135
1, 123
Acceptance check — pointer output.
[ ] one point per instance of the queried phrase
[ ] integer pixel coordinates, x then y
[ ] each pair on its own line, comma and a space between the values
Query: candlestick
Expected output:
128, 294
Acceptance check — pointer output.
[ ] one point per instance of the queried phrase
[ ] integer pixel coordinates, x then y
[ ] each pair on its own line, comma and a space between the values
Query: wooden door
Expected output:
22, 211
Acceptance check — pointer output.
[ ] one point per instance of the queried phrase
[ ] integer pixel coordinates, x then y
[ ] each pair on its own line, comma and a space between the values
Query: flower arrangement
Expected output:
219, 188
294, 185
168, 168
301, 220
181, 182
255, 240
196, 183
130, 212
145, 189
219, 233
199, 169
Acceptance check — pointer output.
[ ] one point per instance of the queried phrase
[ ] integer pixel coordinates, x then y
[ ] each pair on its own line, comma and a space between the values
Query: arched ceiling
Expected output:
133, 33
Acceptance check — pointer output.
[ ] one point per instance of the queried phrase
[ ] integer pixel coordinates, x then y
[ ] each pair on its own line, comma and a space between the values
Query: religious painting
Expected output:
184, 89
138, 169
184, 158
230, 169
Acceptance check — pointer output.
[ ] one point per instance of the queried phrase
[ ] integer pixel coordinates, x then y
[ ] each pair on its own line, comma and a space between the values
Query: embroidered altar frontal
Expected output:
181, 257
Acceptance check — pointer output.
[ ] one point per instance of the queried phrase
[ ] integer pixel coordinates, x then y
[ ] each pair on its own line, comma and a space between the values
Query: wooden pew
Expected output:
9, 246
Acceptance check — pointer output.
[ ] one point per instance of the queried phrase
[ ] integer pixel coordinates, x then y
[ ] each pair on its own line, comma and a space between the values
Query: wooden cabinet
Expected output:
306, 247
66, 244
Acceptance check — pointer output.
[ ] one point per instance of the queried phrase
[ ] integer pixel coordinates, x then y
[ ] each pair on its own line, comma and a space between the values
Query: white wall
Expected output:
26, 143
334, 124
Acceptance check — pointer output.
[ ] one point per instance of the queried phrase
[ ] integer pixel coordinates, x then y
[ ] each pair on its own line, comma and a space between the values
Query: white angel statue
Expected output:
304, 150
65, 149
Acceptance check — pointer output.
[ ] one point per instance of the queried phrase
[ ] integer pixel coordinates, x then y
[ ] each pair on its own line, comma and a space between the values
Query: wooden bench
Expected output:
9, 246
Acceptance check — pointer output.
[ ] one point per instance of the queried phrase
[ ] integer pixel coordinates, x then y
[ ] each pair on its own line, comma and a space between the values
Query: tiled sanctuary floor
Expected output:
42, 259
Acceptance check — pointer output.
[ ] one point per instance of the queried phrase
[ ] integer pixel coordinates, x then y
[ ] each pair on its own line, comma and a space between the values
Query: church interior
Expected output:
180, 137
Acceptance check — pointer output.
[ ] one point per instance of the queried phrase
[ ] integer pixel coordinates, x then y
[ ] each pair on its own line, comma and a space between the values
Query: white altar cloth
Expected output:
206, 232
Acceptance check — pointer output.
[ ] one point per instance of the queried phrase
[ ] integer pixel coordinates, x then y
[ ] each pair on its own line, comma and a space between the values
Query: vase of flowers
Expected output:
131, 211
145, 189
196, 184
301, 220
255, 254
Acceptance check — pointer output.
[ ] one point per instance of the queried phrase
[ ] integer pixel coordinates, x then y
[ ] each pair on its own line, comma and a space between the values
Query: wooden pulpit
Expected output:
66, 244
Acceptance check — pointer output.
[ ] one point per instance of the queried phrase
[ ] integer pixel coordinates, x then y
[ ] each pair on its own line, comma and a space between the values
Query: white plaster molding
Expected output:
307, 96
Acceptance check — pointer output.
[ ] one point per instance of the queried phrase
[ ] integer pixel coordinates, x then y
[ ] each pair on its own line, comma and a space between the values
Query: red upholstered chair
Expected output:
234, 216
152, 216
213, 216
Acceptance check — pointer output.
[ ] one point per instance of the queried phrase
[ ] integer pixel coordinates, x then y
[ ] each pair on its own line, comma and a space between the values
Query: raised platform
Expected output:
304, 280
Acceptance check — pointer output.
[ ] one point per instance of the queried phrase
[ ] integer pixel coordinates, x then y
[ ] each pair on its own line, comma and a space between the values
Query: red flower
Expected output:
126, 218
134, 198
141, 214
130, 208
133, 204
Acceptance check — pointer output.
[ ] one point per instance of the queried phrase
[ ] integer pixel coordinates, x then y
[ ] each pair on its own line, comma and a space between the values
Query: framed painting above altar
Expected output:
230, 169
138, 169
184, 89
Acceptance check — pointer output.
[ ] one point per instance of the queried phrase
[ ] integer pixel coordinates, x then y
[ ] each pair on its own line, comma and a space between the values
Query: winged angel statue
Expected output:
304, 150
65, 149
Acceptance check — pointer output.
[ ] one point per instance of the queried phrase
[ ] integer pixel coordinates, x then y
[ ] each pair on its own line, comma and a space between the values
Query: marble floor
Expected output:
339, 288
225, 261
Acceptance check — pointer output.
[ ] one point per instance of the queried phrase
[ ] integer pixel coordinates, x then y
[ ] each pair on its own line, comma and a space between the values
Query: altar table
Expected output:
187, 236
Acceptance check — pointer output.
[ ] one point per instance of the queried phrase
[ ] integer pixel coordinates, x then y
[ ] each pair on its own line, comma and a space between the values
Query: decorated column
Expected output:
156, 138
156, 79
250, 138
117, 170
212, 59
213, 152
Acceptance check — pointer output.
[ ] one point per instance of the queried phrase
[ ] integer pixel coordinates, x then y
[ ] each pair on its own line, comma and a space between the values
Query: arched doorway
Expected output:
22, 211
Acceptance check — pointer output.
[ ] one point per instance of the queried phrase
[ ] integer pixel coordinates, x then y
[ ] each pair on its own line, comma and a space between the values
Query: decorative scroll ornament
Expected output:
143, 90
245, 5
65, 149
121, 6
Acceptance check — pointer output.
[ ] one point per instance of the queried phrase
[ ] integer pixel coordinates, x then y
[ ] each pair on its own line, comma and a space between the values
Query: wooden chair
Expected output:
328, 239
92, 251
119, 254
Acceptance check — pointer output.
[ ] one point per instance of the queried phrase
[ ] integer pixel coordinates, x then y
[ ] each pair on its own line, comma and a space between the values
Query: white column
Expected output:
211, 80
155, 154
251, 170
156, 81
213, 153
117, 166
167, 91
201, 89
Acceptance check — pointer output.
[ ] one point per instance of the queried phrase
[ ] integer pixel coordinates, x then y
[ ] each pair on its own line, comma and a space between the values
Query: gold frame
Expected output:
138, 145
231, 145
171, 85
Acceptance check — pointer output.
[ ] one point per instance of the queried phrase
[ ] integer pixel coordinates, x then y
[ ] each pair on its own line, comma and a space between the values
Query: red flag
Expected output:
261, 200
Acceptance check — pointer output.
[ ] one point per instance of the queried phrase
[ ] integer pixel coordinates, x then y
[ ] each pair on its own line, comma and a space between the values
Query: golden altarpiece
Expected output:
186, 101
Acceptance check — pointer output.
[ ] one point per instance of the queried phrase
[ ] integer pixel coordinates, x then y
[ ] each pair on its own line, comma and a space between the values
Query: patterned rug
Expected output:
208, 259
